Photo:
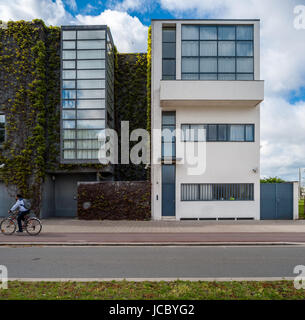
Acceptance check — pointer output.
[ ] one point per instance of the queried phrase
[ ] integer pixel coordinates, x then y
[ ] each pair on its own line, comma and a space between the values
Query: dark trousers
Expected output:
21, 217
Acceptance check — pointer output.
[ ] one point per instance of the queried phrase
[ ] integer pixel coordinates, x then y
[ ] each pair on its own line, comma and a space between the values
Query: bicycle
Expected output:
32, 225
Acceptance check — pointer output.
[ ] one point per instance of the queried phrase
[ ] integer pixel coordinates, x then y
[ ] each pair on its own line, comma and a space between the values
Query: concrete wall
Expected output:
6, 201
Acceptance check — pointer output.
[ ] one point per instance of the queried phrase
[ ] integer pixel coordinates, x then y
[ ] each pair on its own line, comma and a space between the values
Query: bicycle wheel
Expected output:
8, 226
33, 226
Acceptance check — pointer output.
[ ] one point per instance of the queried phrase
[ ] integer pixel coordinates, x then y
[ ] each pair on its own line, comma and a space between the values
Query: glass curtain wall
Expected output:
83, 76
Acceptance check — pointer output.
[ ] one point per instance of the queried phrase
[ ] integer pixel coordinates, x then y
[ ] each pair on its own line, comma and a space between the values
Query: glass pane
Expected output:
249, 132
88, 84
69, 144
2, 118
226, 76
169, 35
226, 65
91, 54
212, 132
91, 104
87, 94
68, 74
68, 114
69, 124
68, 64
208, 77
208, 48
69, 154
91, 34
190, 64
69, 35
168, 118
68, 55
68, 104
91, 114
190, 76
222, 132
190, 32
91, 64
88, 144
244, 65
68, 44
91, 44
190, 48
168, 133
87, 154
244, 76
197, 132
208, 64
237, 132
208, 33
226, 48
68, 94
244, 32
91, 74
69, 134
244, 48
169, 67
68, 84
90, 124
226, 33
169, 50
88, 134
168, 149
169, 77
185, 132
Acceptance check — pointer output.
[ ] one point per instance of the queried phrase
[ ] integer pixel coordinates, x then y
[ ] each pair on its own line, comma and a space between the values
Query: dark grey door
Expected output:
276, 201
168, 190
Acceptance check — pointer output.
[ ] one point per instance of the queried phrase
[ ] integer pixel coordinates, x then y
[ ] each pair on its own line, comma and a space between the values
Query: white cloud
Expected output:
141, 6
53, 13
129, 34
72, 4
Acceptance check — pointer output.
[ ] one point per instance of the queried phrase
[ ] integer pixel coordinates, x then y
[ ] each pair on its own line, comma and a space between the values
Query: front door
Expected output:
168, 190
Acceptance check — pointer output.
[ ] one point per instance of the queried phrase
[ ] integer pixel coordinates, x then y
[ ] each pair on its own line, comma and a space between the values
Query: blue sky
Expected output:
282, 54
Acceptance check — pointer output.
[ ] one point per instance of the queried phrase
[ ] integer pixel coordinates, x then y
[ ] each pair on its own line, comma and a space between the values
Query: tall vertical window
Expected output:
221, 52
168, 53
87, 89
168, 135
2, 128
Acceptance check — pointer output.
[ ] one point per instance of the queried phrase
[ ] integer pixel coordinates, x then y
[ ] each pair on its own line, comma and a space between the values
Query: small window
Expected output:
212, 132
2, 128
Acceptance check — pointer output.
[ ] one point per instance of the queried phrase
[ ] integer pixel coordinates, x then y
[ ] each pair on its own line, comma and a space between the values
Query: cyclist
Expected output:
23, 211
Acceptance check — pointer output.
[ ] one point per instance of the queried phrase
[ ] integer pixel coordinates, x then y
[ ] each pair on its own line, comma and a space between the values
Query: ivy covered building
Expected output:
58, 88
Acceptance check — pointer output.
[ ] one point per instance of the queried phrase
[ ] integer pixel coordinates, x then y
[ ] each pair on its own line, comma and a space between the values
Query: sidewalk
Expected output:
79, 232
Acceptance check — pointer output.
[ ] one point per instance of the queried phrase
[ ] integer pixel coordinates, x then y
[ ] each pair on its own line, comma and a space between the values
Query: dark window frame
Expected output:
164, 75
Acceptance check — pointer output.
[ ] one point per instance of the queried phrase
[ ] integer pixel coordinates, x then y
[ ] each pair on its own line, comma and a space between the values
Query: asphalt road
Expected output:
151, 262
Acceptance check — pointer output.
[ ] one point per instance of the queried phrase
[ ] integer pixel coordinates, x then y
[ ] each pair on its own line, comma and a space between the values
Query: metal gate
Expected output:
276, 201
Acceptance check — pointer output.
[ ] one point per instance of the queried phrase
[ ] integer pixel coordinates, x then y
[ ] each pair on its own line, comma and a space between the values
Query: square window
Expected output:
226, 33
245, 65
208, 33
68, 94
244, 48
237, 132
226, 48
169, 50
190, 48
226, 65
68, 64
190, 65
69, 35
168, 35
169, 67
68, 44
244, 32
67, 84
68, 74
68, 104
68, 124
69, 134
68, 114
68, 54
208, 48
190, 32
208, 65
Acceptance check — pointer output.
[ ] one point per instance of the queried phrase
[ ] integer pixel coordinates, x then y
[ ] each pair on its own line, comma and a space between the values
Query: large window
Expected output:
83, 92
217, 192
217, 132
168, 53
2, 128
223, 52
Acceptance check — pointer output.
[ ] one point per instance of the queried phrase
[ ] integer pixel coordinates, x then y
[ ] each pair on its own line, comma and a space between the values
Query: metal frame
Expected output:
228, 187
217, 57
169, 59
227, 129
173, 142
108, 38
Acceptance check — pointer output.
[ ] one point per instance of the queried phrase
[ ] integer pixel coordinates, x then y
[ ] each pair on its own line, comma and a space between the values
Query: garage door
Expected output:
276, 201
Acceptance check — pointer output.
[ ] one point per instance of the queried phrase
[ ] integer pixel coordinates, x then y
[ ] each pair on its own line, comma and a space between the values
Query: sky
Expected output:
282, 54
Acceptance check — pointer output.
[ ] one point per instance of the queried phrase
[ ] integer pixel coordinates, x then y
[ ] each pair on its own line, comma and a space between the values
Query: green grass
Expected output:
301, 209
152, 290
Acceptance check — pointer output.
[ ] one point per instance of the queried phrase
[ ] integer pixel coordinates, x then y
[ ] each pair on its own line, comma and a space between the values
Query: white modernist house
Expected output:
206, 78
